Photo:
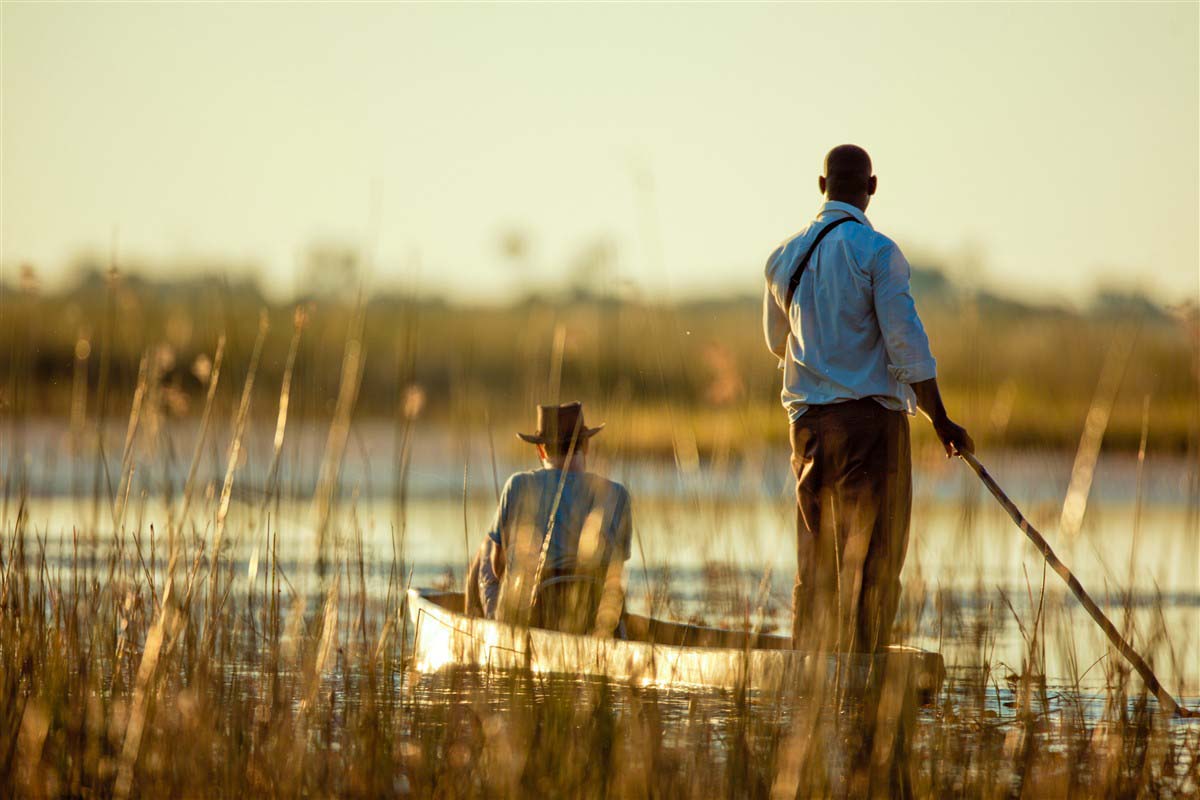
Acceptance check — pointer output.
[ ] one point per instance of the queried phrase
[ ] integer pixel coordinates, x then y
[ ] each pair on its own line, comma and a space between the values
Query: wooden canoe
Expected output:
656, 653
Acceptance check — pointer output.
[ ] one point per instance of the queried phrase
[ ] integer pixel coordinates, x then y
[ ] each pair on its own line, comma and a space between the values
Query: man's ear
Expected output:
872, 182
821, 183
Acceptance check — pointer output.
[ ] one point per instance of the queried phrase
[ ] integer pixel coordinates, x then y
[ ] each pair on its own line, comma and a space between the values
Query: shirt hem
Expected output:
888, 402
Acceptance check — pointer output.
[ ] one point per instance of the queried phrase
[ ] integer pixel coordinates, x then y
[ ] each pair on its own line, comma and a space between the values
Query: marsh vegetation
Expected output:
210, 517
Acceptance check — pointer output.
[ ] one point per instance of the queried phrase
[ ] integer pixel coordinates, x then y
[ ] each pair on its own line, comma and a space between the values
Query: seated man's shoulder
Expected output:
520, 481
608, 487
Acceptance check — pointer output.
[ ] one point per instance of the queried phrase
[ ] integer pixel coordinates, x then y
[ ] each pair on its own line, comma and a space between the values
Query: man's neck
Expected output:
858, 201
578, 463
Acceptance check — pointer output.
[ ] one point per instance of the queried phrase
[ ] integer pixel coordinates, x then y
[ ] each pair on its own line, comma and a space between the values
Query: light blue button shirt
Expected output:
589, 522
852, 330
581, 502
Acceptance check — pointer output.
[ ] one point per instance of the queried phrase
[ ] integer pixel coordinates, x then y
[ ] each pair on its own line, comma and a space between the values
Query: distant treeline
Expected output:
1019, 374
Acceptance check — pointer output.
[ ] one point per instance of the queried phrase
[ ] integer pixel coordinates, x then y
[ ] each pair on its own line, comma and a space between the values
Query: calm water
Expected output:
712, 543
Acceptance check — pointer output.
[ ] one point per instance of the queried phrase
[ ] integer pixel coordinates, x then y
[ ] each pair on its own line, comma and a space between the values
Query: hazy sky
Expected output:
1040, 149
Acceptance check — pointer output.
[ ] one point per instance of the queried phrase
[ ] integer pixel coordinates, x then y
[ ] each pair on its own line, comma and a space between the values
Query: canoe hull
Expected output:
444, 637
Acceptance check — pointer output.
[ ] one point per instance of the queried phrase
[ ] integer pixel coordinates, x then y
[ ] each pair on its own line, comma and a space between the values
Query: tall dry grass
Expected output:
139, 659
116, 681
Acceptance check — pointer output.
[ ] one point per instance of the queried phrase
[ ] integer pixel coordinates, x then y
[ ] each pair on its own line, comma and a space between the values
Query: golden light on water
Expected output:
278, 282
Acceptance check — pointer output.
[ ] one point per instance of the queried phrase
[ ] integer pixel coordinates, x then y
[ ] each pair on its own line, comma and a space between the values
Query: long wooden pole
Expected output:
1152, 683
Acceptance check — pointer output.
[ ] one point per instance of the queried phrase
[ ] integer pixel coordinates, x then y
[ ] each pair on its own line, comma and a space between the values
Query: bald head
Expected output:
848, 176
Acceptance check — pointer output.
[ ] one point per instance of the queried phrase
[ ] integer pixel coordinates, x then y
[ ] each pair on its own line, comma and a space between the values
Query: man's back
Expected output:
588, 520
852, 329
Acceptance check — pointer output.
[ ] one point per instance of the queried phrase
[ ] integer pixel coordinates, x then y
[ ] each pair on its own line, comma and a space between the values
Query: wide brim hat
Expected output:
558, 424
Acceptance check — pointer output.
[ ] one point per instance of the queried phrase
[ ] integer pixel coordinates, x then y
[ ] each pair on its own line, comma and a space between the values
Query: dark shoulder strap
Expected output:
794, 283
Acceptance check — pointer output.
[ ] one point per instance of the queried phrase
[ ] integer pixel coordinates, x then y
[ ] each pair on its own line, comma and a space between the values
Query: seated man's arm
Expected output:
491, 571
497, 560
489, 581
612, 600
612, 594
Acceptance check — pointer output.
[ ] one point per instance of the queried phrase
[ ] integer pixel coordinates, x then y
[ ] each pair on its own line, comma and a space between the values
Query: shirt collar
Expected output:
837, 205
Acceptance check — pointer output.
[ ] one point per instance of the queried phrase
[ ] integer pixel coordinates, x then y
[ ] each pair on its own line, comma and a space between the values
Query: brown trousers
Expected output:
853, 471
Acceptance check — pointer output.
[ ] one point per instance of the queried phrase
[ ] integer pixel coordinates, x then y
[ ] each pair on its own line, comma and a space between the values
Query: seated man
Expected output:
555, 554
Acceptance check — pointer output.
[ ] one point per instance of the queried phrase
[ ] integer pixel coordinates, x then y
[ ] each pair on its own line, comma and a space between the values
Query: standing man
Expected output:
856, 361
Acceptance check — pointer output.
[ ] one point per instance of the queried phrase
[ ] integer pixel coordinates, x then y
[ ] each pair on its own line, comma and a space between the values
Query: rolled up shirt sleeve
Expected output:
909, 358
